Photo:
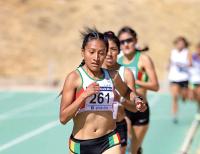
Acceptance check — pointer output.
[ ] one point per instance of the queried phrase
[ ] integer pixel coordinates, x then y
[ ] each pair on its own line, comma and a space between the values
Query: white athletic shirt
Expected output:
102, 101
121, 72
195, 69
179, 66
116, 103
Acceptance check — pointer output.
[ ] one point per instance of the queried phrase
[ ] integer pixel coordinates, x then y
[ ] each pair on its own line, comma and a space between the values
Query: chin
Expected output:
95, 69
128, 53
109, 64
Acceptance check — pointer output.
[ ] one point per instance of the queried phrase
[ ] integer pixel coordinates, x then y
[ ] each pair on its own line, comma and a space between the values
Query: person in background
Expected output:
179, 63
145, 78
110, 63
194, 81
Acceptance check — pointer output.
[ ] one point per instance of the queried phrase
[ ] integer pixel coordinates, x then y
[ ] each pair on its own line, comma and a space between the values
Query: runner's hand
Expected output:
92, 89
140, 104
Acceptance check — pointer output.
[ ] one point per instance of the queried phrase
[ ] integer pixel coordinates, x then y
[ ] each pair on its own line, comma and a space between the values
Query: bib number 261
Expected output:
100, 98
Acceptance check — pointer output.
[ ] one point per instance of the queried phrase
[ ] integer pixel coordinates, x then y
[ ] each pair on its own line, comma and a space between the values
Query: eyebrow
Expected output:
96, 49
113, 47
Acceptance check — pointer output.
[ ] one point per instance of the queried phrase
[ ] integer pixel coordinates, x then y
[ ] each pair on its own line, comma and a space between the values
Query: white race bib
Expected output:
101, 101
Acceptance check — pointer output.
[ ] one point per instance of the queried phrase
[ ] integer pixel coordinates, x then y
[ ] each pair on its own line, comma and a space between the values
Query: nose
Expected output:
96, 57
125, 43
109, 53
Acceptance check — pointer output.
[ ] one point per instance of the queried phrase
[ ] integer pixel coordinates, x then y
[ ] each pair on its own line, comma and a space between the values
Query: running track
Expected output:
29, 124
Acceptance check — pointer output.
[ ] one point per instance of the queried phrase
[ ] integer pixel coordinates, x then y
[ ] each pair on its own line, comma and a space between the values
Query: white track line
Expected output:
189, 137
29, 135
23, 108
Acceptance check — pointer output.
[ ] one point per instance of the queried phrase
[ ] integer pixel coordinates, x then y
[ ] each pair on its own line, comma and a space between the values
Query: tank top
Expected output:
104, 99
195, 69
179, 66
117, 103
121, 72
133, 66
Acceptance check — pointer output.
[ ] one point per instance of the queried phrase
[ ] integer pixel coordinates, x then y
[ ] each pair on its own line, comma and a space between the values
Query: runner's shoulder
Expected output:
74, 77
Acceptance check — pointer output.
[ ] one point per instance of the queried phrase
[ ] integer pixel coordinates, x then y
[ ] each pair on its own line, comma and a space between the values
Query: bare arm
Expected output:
69, 105
121, 86
130, 81
190, 59
128, 94
148, 65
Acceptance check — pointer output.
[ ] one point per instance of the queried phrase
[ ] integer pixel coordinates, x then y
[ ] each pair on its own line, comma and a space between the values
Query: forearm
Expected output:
129, 105
69, 112
148, 85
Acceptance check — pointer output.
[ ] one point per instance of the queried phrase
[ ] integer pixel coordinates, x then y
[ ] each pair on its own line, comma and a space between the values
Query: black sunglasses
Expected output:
129, 40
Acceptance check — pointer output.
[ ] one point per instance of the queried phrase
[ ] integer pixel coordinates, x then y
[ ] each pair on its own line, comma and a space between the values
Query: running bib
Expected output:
101, 101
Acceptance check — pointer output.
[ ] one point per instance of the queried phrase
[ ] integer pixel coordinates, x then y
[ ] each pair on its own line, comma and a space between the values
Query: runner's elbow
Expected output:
156, 87
64, 120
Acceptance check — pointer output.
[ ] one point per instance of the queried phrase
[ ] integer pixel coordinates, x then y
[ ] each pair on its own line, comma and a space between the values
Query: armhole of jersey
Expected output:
81, 86
120, 60
110, 77
136, 61
124, 74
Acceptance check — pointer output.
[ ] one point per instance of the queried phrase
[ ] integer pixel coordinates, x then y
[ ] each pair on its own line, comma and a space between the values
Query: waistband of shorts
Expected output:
121, 122
95, 139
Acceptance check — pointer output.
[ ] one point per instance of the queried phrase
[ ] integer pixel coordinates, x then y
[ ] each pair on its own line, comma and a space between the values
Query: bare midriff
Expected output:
93, 124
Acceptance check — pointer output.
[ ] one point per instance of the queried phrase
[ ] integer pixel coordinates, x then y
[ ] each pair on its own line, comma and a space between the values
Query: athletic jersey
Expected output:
104, 99
121, 72
117, 103
133, 66
195, 69
179, 66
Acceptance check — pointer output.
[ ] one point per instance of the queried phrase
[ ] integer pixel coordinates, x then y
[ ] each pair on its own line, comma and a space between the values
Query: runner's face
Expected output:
198, 50
127, 43
111, 57
94, 54
180, 45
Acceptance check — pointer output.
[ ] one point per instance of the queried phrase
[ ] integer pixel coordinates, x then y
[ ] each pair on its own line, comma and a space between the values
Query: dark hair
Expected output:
133, 33
109, 35
92, 34
145, 48
82, 63
129, 30
181, 38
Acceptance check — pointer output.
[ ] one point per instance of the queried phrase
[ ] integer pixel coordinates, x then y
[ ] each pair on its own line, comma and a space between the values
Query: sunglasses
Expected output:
129, 40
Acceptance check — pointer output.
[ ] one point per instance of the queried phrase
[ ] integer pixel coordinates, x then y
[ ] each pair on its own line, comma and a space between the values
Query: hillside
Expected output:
40, 40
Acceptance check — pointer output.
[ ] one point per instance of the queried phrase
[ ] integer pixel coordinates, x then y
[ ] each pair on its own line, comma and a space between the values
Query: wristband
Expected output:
122, 100
139, 99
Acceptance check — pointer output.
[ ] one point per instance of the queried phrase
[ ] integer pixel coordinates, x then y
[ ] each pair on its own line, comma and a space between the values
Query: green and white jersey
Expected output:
104, 99
133, 66
121, 72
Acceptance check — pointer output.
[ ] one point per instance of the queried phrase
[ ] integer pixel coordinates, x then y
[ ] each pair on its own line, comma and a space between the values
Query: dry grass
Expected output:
37, 36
